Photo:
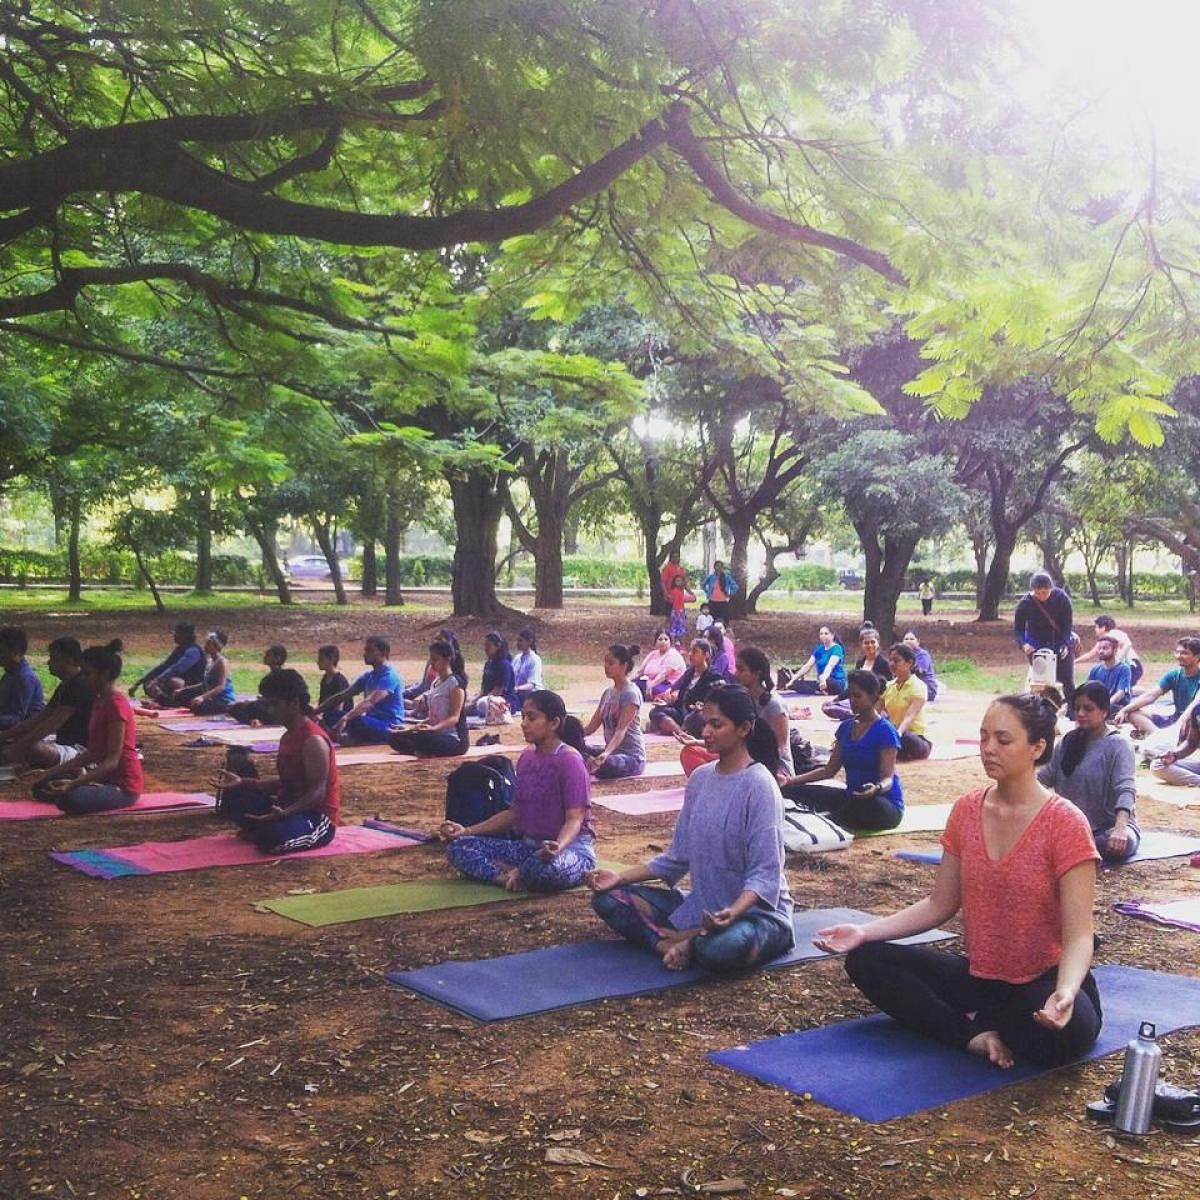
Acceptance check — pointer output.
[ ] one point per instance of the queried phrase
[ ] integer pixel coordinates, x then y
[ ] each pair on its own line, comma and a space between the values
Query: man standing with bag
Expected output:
1044, 621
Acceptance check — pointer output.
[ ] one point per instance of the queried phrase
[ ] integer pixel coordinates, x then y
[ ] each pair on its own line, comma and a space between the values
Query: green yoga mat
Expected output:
391, 899
919, 818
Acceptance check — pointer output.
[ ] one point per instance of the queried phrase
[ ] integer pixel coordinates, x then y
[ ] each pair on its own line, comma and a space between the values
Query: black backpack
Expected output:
478, 790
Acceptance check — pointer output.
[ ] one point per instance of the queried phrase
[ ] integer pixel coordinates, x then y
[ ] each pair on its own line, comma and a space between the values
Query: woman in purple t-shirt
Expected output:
545, 841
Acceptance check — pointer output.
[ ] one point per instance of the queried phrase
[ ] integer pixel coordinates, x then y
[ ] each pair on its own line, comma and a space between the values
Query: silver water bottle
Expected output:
1139, 1076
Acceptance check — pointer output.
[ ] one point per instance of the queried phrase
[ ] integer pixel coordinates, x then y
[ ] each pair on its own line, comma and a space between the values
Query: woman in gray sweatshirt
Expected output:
1093, 768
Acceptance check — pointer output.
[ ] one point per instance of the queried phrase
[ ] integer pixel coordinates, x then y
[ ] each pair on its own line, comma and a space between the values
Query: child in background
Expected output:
679, 596
332, 682
704, 620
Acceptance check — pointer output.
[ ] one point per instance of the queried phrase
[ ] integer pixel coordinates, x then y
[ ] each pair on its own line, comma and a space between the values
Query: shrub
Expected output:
807, 577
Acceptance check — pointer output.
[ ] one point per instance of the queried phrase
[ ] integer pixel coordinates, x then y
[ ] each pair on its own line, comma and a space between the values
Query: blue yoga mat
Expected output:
1155, 843
537, 981
875, 1069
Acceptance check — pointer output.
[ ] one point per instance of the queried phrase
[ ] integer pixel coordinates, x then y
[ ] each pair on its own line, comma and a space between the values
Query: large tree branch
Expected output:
685, 143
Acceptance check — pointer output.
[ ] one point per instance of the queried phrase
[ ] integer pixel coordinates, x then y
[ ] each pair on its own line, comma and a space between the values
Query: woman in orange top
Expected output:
1020, 862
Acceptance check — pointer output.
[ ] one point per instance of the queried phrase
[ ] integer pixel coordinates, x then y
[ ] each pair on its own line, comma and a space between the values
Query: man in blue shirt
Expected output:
21, 695
1183, 682
183, 667
381, 707
1112, 673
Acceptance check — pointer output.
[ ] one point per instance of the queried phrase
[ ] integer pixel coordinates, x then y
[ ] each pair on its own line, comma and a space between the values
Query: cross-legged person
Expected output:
1181, 766
729, 839
544, 842
59, 732
182, 668
377, 697
1020, 862
903, 700
254, 712
297, 808
108, 774
1182, 681
21, 695
441, 730
215, 693
618, 717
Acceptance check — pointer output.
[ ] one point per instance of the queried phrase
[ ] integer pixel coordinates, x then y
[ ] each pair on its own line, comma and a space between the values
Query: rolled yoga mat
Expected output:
218, 850
877, 1070
537, 981
35, 810
1181, 914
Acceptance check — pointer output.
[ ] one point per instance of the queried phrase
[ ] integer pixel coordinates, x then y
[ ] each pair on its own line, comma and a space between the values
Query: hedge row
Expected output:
103, 564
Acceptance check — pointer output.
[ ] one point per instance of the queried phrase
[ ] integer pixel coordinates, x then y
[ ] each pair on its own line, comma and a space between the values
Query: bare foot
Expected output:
676, 954
988, 1045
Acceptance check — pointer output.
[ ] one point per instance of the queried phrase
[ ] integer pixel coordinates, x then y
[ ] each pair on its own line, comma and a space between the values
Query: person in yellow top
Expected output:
903, 701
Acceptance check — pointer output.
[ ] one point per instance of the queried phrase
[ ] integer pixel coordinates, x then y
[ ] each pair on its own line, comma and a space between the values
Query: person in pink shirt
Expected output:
660, 668
1020, 862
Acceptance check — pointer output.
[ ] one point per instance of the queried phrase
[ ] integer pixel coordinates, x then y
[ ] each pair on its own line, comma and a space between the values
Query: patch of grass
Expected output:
968, 675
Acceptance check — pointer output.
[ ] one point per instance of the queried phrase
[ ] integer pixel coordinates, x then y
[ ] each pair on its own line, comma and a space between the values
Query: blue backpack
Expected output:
478, 790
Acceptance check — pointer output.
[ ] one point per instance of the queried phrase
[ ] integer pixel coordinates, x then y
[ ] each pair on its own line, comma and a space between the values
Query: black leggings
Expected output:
932, 992
428, 743
854, 812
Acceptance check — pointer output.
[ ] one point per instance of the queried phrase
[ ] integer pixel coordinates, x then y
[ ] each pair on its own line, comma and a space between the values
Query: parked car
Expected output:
851, 579
310, 566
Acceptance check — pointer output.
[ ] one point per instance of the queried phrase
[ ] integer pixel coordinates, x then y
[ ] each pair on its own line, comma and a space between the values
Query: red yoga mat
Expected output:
36, 810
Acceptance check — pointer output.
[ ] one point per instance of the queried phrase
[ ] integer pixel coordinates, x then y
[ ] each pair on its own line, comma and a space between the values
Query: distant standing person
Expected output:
679, 598
720, 587
1044, 620
926, 593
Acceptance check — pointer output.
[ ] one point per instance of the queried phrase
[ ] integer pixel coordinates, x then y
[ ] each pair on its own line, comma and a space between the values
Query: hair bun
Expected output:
116, 646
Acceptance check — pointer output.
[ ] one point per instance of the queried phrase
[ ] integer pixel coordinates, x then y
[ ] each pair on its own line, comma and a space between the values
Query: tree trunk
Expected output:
1130, 593
265, 537
74, 516
478, 503
898, 554
548, 561
203, 503
739, 561
765, 581
571, 534
159, 606
370, 571
995, 583
1120, 555
979, 549
324, 535
393, 536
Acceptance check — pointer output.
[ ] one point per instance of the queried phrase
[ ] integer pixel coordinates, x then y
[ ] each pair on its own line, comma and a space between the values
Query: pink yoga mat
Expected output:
198, 724
661, 770
664, 800
219, 850
35, 810
160, 714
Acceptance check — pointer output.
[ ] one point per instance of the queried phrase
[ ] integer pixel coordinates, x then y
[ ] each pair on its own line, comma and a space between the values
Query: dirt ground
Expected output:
163, 1039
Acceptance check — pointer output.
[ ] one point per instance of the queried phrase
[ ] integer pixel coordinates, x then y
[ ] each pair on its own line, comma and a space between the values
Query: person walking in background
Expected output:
719, 587
926, 594
1044, 620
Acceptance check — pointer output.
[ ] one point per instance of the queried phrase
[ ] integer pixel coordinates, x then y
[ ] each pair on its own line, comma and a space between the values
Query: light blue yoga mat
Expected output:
1156, 843
875, 1069
537, 981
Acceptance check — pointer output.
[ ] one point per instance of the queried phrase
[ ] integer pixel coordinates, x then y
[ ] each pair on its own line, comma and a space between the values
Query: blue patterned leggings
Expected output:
484, 858
753, 939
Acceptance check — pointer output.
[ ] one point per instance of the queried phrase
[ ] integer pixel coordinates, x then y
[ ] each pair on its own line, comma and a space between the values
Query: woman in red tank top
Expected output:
297, 809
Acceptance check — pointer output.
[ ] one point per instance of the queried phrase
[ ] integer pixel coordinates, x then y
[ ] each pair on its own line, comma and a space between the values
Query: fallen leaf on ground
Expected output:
480, 1138
724, 1187
564, 1156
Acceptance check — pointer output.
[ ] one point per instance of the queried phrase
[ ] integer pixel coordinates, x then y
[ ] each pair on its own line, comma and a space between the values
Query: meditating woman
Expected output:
215, 694
660, 669
1021, 864
871, 658
679, 709
108, 774
619, 714
865, 746
297, 809
527, 665
729, 839
254, 712
496, 703
1093, 768
443, 731
544, 842
903, 700
828, 658
753, 672
923, 665
722, 660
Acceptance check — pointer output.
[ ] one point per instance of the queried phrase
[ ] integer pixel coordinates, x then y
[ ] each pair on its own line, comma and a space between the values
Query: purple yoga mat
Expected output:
197, 724
218, 850
663, 800
35, 810
1181, 914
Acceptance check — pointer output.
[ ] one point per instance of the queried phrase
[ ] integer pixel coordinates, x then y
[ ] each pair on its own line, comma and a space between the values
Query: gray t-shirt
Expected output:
729, 838
772, 710
611, 703
438, 697
1101, 783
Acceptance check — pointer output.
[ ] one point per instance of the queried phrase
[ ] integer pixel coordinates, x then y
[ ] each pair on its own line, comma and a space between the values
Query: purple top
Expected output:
547, 785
